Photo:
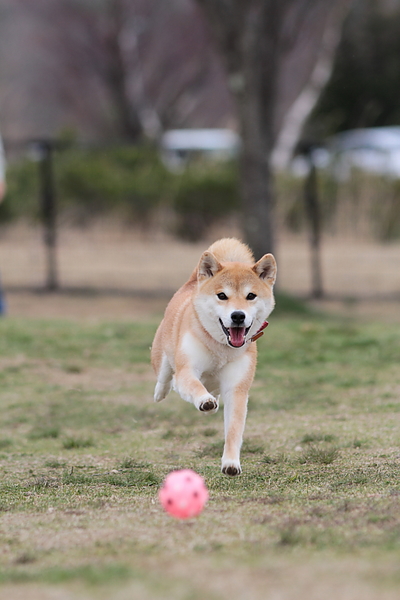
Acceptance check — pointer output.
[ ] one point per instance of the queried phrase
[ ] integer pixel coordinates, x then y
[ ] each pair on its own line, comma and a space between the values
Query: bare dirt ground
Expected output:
106, 272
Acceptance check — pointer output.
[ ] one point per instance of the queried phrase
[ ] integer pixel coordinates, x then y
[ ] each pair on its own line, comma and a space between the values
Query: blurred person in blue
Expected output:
2, 193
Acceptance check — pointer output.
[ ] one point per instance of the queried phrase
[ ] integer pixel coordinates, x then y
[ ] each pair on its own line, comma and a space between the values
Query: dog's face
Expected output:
234, 299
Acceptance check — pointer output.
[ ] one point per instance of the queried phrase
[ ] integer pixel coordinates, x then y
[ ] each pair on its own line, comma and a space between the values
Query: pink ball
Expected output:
183, 494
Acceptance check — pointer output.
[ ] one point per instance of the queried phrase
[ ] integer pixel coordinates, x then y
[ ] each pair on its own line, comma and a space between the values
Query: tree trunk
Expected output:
312, 210
126, 113
256, 100
257, 197
256, 177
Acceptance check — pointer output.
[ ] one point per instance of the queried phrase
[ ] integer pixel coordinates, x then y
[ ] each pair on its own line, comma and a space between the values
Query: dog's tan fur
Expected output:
200, 350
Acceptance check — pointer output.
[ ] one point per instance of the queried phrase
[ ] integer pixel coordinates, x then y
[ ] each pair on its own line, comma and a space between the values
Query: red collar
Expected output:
259, 333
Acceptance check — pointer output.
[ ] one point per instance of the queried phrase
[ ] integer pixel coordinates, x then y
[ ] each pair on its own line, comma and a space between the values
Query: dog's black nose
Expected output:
238, 318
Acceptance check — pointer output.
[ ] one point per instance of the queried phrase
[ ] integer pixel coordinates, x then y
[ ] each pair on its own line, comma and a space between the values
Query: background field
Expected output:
83, 451
104, 260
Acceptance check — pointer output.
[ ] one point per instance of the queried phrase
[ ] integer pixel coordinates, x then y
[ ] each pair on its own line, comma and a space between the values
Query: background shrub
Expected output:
22, 198
205, 196
128, 180
133, 184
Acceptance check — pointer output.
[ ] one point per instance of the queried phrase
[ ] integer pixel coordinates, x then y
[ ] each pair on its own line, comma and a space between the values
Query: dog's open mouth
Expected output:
236, 336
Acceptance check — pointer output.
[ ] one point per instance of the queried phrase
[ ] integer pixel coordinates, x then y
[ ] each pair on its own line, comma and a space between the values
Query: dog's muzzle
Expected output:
236, 336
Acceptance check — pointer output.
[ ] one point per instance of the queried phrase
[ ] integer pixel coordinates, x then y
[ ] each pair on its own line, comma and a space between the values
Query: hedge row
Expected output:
134, 183
129, 181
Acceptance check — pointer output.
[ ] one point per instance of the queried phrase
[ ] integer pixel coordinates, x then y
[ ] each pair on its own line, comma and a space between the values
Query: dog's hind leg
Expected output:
164, 380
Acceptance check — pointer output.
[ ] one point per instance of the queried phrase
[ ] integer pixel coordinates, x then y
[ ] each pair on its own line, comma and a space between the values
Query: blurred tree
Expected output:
364, 89
115, 68
182, 74
85, 68
270, 51
128, 66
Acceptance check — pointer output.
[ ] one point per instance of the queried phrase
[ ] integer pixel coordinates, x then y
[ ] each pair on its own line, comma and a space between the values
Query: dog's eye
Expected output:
251, 296
222, 296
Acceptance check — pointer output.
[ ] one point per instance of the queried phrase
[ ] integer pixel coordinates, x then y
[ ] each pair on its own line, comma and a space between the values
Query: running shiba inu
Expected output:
202, 348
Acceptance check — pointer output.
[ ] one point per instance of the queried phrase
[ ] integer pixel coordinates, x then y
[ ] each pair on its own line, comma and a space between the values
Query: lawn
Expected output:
83, 450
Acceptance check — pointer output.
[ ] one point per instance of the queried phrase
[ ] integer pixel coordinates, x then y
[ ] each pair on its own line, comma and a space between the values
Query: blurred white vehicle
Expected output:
179, 145
374, 150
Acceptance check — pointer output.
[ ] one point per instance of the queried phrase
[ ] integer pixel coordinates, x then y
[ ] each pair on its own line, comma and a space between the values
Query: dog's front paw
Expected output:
208, 404
231, 467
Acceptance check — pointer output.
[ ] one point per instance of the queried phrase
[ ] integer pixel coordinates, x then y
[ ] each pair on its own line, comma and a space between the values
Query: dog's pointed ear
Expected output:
208, 266
265, 268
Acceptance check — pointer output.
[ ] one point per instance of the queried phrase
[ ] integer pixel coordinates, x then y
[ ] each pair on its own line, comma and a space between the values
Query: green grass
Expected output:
73, 442
83, 452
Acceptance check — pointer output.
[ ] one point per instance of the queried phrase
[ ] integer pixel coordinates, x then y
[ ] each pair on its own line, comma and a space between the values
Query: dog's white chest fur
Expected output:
204, 360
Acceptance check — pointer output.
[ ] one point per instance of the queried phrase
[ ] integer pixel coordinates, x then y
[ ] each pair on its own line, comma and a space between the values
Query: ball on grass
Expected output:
183, 494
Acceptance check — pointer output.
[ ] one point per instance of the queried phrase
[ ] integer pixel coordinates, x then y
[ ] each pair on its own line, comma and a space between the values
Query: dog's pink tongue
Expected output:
236, 336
